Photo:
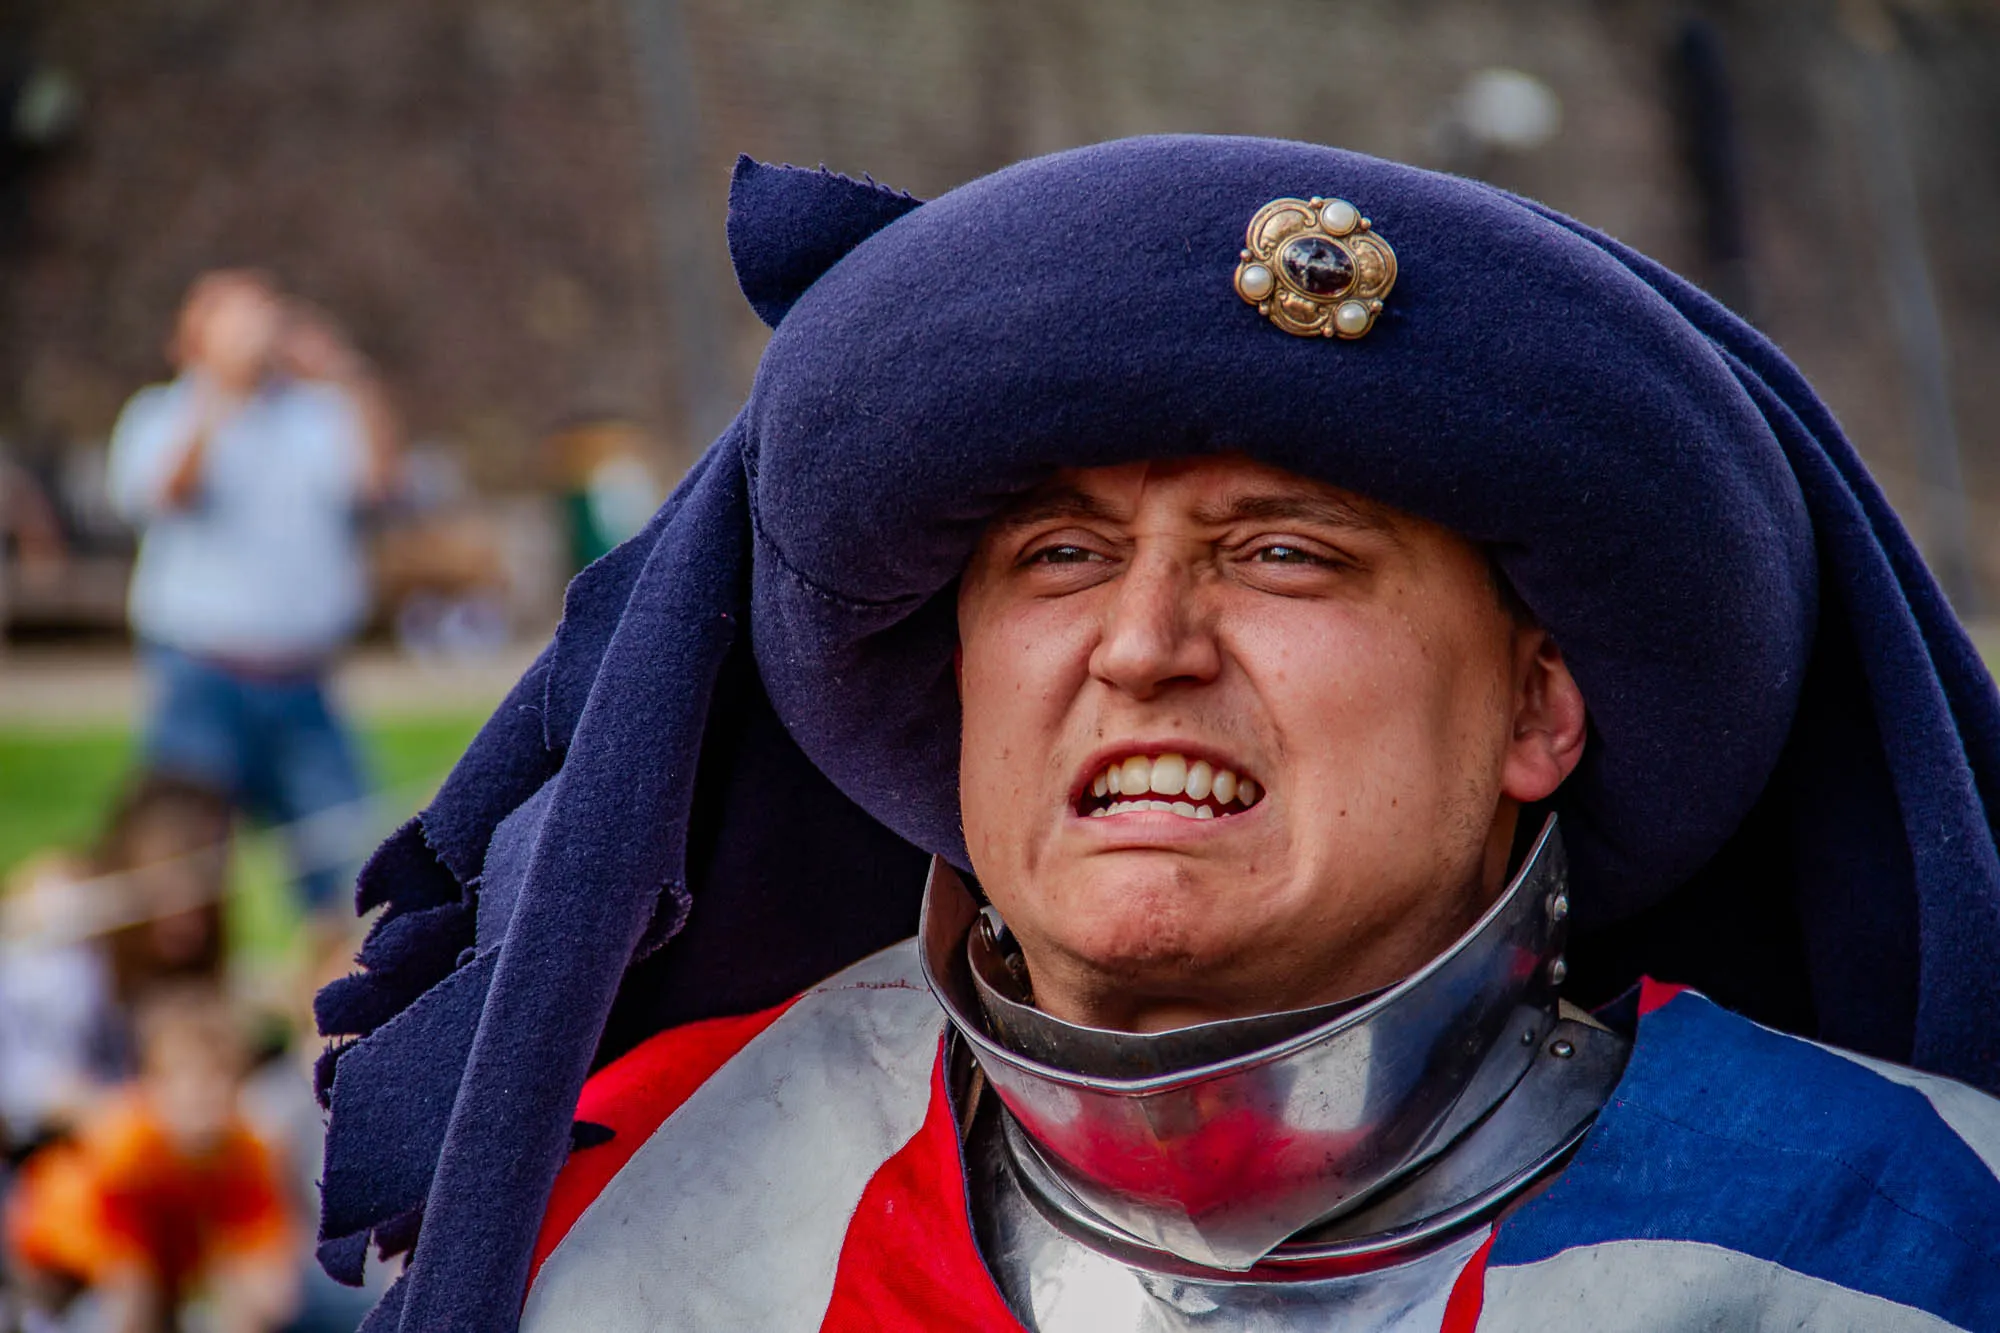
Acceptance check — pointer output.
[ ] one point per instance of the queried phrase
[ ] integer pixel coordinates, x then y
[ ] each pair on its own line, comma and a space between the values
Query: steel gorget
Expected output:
1287, 1142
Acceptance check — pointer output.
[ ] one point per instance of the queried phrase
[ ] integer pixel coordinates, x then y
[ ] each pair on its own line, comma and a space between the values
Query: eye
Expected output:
1063, 554
1278, 553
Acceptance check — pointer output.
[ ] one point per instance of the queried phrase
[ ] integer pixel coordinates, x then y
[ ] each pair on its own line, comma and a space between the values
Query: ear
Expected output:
1550, 721
788, 225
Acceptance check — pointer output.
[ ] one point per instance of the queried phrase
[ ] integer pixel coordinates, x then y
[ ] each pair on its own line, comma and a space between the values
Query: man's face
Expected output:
230, 326
1378, 713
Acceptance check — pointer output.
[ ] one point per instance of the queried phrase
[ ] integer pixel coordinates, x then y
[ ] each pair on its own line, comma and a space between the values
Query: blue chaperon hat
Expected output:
719, 782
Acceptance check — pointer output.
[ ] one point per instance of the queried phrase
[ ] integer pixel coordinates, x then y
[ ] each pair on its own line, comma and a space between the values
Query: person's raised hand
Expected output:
312, 345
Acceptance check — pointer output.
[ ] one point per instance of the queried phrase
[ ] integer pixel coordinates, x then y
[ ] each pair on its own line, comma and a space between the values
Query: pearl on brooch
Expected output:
1339, 217
1352, 318
1256, 282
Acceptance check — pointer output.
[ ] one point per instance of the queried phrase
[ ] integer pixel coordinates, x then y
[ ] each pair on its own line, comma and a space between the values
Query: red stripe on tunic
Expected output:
1656, 994
632, 1096
909, 1263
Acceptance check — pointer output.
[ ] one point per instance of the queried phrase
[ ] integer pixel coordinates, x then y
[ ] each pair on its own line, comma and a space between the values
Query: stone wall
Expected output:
454, 178
465, 180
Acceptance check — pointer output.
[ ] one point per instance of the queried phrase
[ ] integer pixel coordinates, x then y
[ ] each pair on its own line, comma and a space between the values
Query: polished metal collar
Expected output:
1063, 1269
1229, 1151
999, 979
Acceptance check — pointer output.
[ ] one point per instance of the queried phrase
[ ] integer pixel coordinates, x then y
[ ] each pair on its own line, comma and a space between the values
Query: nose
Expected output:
1157, 631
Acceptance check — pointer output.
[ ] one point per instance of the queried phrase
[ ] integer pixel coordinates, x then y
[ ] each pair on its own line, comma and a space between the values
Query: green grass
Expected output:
57, 784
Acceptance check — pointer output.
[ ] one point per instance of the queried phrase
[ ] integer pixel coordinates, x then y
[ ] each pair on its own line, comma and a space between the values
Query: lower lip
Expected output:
1156, 828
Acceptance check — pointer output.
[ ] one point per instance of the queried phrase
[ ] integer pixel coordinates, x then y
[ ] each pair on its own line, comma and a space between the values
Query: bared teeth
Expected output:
1200, 780
1208, 791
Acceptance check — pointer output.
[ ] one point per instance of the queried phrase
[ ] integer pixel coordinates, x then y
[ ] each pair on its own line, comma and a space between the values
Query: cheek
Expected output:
1019, 677
1372, 711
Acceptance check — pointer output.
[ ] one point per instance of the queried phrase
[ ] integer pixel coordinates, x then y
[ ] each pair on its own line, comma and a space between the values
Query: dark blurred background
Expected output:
512, 211
519, 215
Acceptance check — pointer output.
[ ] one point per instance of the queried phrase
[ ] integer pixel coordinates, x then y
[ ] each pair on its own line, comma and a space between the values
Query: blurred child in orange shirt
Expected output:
164, 1196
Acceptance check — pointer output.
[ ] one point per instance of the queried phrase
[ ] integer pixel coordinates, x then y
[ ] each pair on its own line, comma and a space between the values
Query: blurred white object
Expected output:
433, 626
623, 494
56, 1007
1508, 111
433, 478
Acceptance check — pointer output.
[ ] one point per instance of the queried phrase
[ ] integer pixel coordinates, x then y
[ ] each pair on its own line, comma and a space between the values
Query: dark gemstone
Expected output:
1318, 266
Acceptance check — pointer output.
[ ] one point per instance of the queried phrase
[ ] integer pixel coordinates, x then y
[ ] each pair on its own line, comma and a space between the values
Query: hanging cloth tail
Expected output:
469, 1092
1927, 696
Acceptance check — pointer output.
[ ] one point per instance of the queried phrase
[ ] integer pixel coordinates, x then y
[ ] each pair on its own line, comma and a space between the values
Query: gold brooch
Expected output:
1315, 267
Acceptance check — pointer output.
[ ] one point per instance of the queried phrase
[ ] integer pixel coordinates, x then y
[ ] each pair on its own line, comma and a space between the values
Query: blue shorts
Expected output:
276, 746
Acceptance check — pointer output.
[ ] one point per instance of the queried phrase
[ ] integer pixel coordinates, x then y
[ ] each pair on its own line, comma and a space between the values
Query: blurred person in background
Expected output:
165, 853
58, 1021
608, 487
32, 548
277, 1101
246, 476
166, 1199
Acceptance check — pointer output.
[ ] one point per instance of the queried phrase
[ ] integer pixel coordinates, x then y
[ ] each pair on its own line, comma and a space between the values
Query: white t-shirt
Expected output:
264, 562
55, 1010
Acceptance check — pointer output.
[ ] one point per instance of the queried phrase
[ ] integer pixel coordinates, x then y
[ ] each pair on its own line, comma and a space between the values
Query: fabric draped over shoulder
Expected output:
718, 784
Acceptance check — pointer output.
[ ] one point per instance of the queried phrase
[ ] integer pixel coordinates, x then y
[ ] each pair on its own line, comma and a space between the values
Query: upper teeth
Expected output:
1171, 775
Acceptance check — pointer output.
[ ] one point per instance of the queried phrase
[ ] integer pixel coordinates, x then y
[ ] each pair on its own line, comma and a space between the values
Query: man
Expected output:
245, 476
1351, 625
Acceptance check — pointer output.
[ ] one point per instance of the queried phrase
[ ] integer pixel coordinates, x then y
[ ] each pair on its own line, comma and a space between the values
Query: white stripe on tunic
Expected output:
1667, 1286
732, 1215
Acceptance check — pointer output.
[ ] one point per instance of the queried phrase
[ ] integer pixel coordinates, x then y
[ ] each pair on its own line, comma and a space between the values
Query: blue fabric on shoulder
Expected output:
1726, 1134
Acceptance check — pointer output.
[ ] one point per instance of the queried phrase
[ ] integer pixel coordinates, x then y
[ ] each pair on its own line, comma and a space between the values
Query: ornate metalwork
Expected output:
1315, 267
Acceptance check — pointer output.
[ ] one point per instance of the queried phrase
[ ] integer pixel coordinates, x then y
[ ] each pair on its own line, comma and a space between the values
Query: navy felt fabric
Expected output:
1793, 743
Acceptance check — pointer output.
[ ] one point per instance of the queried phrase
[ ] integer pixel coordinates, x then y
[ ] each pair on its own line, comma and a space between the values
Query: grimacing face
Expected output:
1236, 741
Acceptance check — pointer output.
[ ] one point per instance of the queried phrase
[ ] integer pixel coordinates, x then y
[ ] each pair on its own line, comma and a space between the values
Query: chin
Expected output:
1137, 921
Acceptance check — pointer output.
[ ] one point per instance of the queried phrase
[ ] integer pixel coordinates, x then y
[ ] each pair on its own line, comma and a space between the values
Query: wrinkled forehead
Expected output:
1230, 500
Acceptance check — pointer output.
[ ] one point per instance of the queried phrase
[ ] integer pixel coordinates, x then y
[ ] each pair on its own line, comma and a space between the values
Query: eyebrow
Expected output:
1329, 510
1052, 503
